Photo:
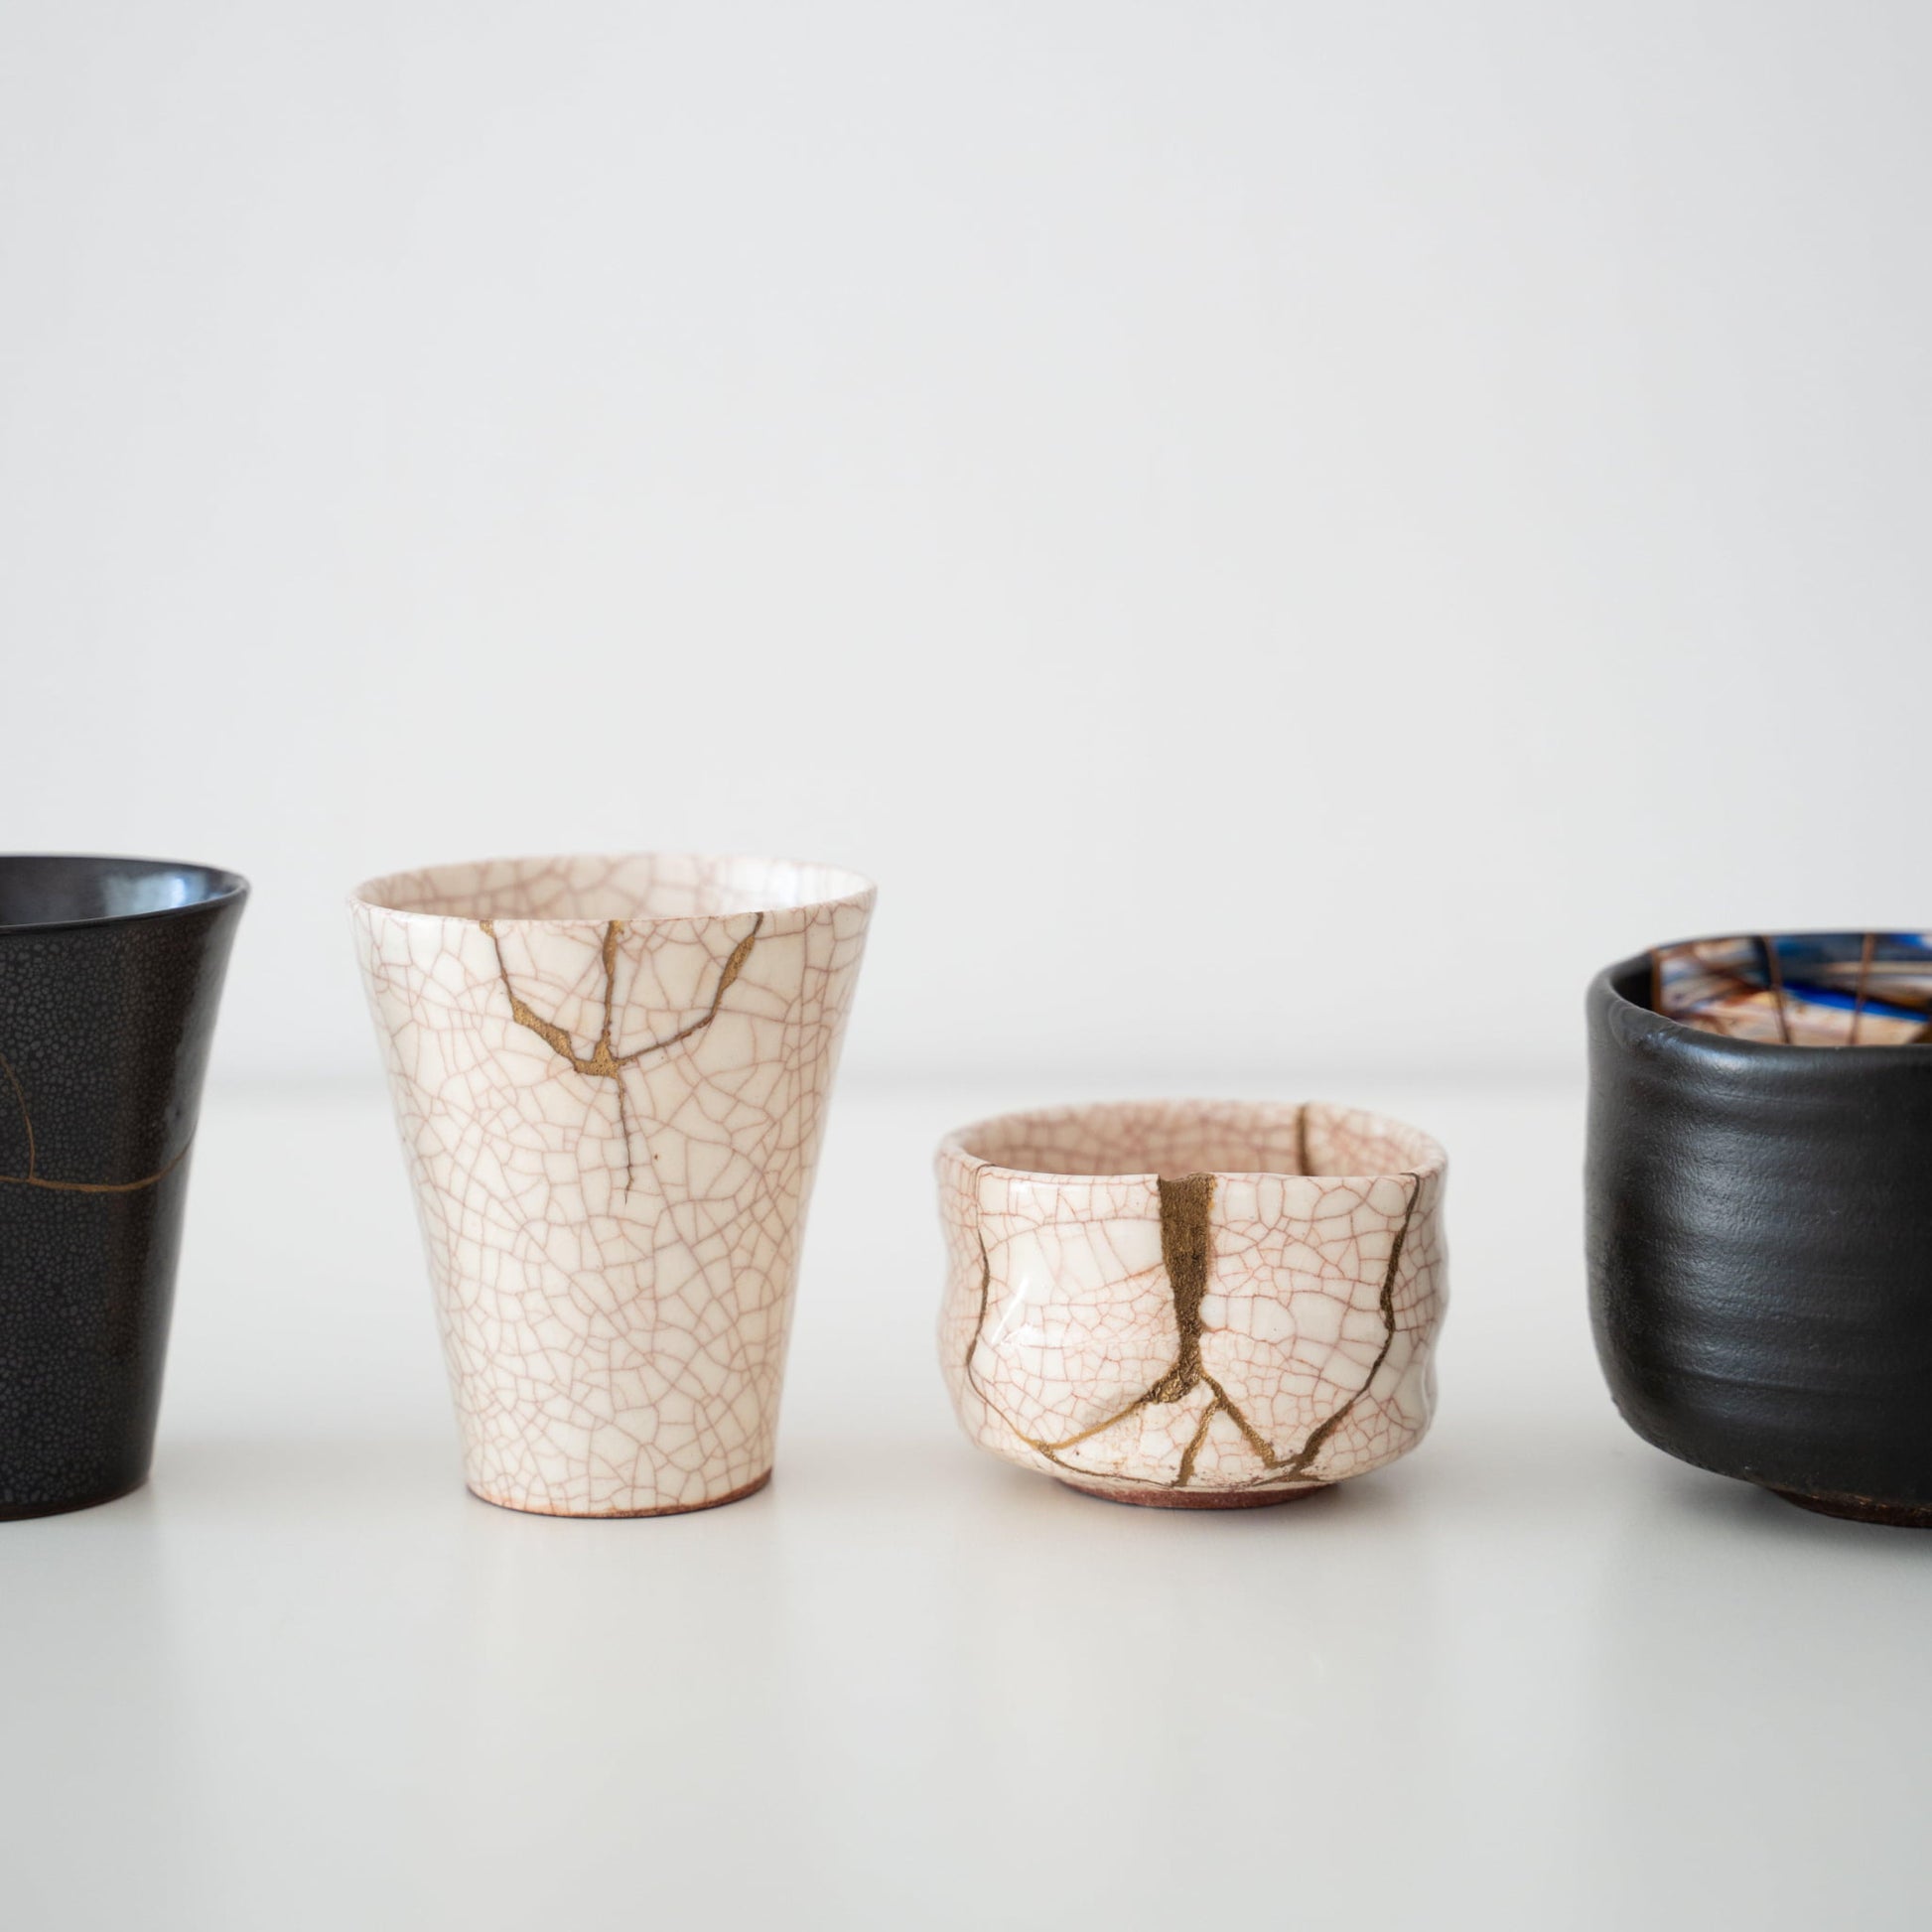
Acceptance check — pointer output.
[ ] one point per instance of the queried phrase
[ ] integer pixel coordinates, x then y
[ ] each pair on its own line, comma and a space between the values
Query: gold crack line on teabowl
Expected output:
1187, 1250
1194, 1442
1185, 1240
605, 1062
972, 1349
1187, 1253
33, 1177
1303, 1458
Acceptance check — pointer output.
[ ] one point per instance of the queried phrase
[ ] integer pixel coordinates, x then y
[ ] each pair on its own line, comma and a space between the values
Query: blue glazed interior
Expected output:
1801, 989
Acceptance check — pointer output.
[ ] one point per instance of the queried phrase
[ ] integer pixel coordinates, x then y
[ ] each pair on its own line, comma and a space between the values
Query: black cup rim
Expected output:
224, 887
1767, 1053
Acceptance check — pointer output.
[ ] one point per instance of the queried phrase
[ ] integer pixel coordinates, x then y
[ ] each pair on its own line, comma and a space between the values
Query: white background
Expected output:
1282, 536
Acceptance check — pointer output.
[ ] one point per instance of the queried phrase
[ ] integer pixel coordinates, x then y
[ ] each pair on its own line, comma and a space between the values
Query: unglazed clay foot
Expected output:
1168, 1497
737, 1495
1193, 1305
611, 1077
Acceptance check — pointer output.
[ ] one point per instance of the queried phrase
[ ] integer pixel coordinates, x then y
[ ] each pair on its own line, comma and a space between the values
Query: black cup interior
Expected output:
59, 889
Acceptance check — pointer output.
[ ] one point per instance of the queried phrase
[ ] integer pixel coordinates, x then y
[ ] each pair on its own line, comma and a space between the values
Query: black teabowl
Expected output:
1760, 1211
110, 975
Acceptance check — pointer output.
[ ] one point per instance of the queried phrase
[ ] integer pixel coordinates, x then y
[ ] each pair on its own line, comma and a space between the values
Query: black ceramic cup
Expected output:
110, 973
1760, 1216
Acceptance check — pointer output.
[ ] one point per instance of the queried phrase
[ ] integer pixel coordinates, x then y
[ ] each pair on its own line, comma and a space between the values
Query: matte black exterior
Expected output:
110, 974
1760, 1253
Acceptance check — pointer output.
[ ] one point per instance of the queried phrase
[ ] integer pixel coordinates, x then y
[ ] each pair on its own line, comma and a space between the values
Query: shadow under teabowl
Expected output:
935, 1472
1719, 1502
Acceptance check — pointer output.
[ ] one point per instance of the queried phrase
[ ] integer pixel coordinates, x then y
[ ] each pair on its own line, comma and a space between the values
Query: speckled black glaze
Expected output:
1760, 1253
110, 974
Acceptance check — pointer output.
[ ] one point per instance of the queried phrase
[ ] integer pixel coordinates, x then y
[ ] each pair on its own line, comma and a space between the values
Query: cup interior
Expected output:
1797, 989
1173, 1137
48, 889
623, 886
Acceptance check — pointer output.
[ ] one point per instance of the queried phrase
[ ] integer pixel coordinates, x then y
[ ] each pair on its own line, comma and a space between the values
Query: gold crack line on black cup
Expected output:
33, 1178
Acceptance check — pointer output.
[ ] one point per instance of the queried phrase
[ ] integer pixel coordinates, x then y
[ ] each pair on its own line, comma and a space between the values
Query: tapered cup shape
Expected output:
611, 1077
110, 977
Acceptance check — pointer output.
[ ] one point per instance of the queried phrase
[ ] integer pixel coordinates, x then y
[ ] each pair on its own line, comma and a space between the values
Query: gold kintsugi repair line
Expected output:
1186, 1245
1776, 972
26, 1119
973, 1348
605, 1062
1187, 1250
1864, 976
1194, 1448
96, 1186
1225, 1404
1299, 1462
33, 1178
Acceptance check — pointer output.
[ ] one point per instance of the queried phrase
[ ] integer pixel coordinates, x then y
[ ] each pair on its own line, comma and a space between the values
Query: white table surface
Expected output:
1536, 1675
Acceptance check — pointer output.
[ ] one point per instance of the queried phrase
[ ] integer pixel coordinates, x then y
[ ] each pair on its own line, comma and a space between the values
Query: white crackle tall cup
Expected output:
611, 1078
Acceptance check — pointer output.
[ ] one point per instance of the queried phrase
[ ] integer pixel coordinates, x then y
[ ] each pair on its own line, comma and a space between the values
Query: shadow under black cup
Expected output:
110, 978
1760, 1252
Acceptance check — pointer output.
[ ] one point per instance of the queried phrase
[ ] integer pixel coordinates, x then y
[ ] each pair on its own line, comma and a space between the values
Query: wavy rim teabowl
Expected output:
611, 1077
1193, 1304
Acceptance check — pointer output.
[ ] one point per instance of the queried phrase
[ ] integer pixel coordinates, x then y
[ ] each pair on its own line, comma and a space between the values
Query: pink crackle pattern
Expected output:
1071, 1344
611, 1078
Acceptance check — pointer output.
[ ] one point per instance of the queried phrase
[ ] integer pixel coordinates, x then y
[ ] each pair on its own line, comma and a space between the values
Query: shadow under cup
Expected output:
611, 1078
110, 978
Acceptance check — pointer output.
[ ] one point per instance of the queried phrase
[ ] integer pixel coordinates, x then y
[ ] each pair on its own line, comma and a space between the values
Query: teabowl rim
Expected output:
226, 888
1433, 1162
860, 890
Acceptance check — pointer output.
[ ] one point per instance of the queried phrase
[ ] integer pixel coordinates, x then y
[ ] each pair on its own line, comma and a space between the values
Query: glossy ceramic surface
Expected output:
110, 978
611, 1077
1193, 1304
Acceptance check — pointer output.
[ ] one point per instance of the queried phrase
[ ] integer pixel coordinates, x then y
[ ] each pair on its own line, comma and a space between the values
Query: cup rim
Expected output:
223, 886
1432, 1164
1703, 1040
369, 895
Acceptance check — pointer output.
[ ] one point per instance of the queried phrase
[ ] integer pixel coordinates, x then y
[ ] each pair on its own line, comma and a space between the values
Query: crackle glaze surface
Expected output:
611, 1078
1192, 1303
